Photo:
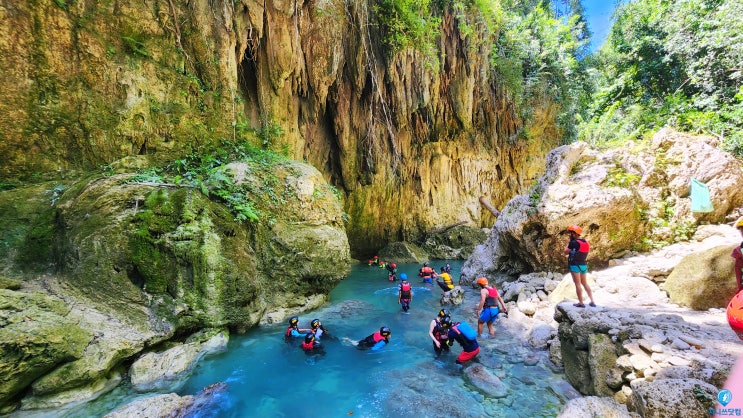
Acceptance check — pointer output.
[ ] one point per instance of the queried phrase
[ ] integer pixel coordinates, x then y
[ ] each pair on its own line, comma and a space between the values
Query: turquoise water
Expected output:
269, 377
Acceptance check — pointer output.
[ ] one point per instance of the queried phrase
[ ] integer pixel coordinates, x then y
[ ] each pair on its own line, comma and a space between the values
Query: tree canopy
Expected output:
675, 63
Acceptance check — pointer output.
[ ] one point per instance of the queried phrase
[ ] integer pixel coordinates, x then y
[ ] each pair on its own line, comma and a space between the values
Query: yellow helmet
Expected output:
739, 222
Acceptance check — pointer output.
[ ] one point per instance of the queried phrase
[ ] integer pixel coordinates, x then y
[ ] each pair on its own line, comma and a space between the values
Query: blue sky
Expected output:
599, 19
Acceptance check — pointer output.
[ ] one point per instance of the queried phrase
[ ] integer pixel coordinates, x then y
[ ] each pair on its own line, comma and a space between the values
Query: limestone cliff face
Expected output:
411, 145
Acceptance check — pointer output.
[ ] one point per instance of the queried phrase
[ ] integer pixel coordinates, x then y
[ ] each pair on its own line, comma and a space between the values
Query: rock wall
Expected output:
411, 146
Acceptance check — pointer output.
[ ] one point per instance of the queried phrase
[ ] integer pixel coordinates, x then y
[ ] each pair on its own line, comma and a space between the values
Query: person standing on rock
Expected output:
487, 310
738, 256
577, 251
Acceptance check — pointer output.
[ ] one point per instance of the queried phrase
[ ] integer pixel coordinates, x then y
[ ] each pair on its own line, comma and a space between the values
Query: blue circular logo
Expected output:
724, 397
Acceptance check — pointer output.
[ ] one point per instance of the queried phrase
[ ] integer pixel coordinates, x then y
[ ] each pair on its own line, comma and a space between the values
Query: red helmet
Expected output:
394, 266
735, 314
575, 228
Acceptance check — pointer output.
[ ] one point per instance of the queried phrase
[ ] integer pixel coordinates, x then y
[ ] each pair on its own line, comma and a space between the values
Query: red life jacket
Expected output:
426, 272
405, 291
491, 300
308, 346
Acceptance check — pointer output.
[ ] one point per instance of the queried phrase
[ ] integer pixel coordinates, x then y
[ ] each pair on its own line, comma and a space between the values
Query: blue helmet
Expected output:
403, 276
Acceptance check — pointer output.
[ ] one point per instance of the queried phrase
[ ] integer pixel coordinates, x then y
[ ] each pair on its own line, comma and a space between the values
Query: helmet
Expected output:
482, 281
443, 269
294, 320
403, 276
310, 337
444, 312
394, 266
575, 228
735, 314
385, 331
739, 222
315, 323
425, 264
446, 322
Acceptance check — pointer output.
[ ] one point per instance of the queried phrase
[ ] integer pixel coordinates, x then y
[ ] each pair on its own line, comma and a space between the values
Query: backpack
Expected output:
466, 330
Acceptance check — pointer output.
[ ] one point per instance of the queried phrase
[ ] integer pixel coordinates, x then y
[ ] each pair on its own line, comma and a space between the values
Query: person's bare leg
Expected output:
578, 289
584, 282
479, 327
491, 329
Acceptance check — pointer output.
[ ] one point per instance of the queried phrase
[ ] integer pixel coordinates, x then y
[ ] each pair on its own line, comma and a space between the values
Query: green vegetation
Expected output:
535, 47
408, 24
205, 169
617, 176
669, 63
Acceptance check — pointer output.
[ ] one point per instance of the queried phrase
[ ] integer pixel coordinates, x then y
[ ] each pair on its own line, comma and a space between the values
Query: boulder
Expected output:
624, 199
688, 397
36, 335
403, 252
453, 297
593, 406
163, 371
157, 406
602, 357
479, 377
703, 280
454, 243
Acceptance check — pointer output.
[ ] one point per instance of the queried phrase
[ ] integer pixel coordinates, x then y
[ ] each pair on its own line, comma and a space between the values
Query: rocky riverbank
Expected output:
636, 353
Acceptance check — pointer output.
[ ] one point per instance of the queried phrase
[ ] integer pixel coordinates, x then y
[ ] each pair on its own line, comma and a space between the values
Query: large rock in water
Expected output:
703, 280
629, 198
140, 263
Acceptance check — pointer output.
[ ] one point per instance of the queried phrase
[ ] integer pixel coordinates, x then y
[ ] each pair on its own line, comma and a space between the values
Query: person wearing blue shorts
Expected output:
577, 251
487, 310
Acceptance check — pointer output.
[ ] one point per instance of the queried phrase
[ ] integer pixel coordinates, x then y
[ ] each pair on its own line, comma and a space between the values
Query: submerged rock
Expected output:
481, 378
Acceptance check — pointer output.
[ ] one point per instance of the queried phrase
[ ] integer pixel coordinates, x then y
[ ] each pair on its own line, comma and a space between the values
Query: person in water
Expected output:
426, 273
311, 345
317, 329
293, 329
404, 293
487, 310
577, 251
392, 272
470, 348
438, 334
446, 284
375, 341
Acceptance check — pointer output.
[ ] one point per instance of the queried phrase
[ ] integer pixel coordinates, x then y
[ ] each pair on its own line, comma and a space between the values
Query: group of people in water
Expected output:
443, 331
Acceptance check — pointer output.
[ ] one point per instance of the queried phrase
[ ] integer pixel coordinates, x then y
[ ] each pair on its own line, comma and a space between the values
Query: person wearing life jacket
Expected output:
577, 251
317, 329
470, 348
737, 254
487, 310
293, 329
375, 341
427, 273
392, 271
404, 293
446, 284
310, 345
438, 335
735, 314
